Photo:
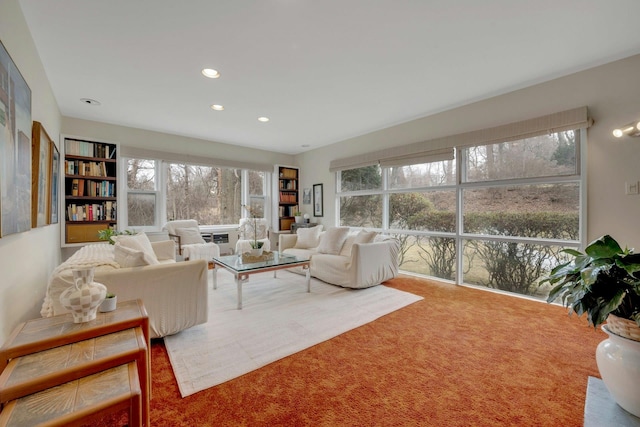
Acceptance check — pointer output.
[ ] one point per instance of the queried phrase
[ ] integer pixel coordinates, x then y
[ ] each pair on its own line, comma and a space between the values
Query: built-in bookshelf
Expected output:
288, 195
90, 189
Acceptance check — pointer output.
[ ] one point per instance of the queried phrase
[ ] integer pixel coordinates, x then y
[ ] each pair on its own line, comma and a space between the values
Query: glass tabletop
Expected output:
235, 261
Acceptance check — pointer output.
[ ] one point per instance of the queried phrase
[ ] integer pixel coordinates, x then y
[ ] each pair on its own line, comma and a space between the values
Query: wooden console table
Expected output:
45, 353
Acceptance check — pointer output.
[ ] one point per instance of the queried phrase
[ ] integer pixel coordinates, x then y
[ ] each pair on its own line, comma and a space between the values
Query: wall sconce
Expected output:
632, 129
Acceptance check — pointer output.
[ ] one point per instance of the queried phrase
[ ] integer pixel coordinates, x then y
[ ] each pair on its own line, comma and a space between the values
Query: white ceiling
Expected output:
321, 70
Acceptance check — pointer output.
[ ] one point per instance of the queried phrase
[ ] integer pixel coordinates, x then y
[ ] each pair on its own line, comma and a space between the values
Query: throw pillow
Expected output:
361, 237
308, 237
139, 242
189, 236
365, 236
333, 240
127, 257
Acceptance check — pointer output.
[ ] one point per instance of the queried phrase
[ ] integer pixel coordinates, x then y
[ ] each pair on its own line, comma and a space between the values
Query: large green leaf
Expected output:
604, 247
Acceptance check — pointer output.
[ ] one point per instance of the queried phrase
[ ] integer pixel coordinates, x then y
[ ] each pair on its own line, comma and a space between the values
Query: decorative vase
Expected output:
299, 219
109, 304
618, 360
84, 297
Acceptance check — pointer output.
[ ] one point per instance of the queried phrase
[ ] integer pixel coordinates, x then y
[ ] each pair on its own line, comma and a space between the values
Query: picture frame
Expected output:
15, 149
40, 175
54, 185
317, 200
306, 196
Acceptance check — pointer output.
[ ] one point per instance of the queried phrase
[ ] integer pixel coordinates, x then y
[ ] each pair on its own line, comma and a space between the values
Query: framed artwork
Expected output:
40, 175
15, 148
317, 200
54, 203
306, 196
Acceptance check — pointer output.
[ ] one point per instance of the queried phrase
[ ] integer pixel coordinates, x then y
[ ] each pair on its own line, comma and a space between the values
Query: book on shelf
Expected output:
74, 187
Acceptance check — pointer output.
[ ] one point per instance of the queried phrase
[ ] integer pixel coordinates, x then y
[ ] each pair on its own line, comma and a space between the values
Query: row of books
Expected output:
288, 184
105, 211
288, 210
87, 187
80, 167
89, 149
288, 197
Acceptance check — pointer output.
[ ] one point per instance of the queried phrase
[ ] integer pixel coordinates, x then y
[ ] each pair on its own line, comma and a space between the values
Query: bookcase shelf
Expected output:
90, 189
288, 195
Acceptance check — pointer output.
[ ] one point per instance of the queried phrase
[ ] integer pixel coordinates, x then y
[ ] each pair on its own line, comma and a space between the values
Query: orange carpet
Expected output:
460, 357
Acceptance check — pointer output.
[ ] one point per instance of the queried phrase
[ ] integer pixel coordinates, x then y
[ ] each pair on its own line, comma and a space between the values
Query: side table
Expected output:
43, 334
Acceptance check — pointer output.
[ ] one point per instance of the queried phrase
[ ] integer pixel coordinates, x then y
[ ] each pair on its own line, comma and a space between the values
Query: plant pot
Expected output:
618, 360
109, 304
299, 219
256, 252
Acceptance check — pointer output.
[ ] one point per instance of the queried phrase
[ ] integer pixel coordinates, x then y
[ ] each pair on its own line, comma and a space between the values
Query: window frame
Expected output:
459, 235
162, 171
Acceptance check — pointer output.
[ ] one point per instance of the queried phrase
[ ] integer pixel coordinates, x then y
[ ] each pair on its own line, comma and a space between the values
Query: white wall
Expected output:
26, 259
139, 138
612, 93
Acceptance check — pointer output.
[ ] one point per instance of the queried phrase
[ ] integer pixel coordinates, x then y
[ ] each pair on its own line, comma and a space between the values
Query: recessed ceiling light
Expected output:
89, 101
263, 119
211, 73
217, 107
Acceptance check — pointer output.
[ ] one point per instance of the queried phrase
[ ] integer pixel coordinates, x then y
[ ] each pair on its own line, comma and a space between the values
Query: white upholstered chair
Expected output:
189, 241
247, 227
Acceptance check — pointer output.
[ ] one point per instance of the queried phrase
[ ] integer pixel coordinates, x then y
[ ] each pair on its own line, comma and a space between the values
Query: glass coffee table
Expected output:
242, 270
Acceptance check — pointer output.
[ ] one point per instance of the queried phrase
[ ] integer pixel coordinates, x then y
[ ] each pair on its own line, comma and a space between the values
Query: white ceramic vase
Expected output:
256, 252
618, 361
84, 297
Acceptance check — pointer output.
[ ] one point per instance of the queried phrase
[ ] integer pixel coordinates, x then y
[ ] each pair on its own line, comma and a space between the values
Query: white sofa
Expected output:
342, 257
173, 293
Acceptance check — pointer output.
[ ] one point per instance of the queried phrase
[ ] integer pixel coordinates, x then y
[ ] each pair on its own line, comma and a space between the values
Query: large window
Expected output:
497, 216
210, 195
142, 192
159, 191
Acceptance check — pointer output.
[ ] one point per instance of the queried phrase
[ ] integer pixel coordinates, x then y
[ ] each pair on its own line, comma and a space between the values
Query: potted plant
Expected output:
298, 216
109, 232
604, 283
109, 303
255, 244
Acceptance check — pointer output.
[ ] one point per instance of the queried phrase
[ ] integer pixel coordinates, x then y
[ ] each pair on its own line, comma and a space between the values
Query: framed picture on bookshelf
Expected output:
317, 200
15, 148
40, 175
54, 204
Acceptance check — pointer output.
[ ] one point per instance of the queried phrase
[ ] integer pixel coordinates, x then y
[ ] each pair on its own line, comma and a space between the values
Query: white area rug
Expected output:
278, 318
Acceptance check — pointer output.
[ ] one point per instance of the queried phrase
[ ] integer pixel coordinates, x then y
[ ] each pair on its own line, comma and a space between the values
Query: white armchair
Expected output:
247, 227
189, 241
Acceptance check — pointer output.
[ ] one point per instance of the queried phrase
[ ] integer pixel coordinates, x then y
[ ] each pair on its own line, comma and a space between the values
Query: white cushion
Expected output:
189, 236
361, 237
139, 242
308, 237
127, 257
333, 240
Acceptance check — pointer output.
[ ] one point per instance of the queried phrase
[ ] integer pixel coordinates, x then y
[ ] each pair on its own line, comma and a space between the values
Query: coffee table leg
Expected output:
239, 279
308, 275
214, 274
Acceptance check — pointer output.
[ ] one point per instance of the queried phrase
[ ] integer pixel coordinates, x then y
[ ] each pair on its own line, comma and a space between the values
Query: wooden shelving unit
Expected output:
288, 195
90, 189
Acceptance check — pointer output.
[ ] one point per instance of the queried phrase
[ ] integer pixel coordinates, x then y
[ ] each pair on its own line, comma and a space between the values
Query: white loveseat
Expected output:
173, 293
342, 257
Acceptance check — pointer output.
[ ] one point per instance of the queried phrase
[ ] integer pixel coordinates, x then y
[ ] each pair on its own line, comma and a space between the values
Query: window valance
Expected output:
143, 153
442, 148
